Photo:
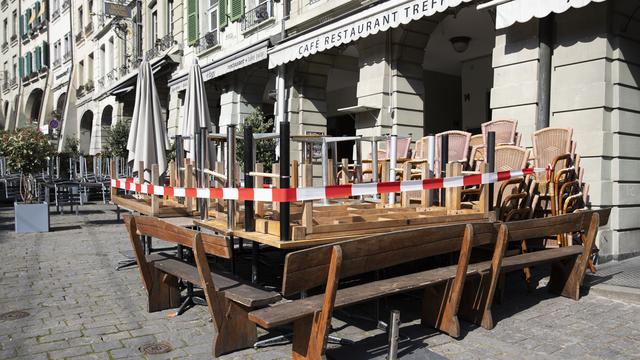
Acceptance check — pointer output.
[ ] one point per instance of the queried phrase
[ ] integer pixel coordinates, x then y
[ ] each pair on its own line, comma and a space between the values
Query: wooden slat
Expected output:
238, 291
281, 314
551, 226
308, 268
540, 257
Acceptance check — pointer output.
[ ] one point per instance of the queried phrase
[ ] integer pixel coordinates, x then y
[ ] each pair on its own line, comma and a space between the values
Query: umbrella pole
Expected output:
249, 165
202, 155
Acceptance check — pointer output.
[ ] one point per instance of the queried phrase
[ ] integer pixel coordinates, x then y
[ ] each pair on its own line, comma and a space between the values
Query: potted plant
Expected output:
27, 151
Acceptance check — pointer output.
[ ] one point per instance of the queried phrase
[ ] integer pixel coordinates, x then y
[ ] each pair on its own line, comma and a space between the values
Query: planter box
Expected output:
31, 217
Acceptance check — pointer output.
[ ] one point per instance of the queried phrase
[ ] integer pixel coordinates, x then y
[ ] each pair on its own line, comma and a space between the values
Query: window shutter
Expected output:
222, 14
28, 64
21, 26
21, 67
36, 9
38, 58
237, 9
192, 20
45, 54
29, 24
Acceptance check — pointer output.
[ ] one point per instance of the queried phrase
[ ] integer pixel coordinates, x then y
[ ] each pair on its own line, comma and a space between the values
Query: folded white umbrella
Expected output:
148, 139
196, 114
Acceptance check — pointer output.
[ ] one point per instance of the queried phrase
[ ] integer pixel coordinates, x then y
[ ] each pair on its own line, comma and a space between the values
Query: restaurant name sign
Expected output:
382, 17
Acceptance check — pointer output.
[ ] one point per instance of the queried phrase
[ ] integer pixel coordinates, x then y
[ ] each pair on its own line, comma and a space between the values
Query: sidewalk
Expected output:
616, 280
79, 307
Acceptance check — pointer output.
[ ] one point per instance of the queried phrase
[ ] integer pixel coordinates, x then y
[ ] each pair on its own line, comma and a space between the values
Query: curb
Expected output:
621, 293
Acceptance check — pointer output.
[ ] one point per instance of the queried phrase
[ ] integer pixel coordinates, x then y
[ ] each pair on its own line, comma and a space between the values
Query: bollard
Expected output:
394, 331
491, 162
249, 220
285, 233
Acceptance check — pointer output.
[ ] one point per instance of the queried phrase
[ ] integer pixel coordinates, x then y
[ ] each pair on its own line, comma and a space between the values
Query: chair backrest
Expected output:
421, 150
403, 145
306, 269
162, 230
510, 157
458, 145
554, 225
476, 140
549, 143
505, 131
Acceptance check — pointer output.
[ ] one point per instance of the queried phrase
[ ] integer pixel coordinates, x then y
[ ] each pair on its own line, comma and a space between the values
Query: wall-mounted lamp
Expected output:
460, 43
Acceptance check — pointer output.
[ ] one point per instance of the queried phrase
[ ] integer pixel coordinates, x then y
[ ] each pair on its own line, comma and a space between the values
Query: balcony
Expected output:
89, 86
13, 38
88, 29
206, 42
65, 5
55, 14
5, 46
79, 36
66, 56
161, 46
257, 15
13, 82
4, 4
56, 63
80, 91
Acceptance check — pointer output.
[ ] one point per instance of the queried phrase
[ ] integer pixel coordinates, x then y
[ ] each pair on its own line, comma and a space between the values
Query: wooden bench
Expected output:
326, 265
229, 300
568, 263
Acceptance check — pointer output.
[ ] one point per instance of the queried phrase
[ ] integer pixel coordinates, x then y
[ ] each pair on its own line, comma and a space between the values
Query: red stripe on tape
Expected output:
245, 194
190, 192
284, 195
138, 187
430, 184
338, 191
504, 175
168, 191
387, 187
474, 179
215, 193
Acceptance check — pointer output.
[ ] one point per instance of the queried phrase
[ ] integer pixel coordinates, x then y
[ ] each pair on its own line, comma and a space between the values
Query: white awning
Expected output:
242, 58
382, 17
522, 11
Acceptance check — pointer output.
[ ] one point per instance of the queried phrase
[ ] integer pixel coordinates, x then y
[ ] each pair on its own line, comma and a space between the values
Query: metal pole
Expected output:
280, 89
394, 331
249, 165
358, 167
334, 156
374, 163
231, 181
491, 162
545, 46
393, 159
431, 146
202, 156
444, 159
285, 234
179, 155
325, 155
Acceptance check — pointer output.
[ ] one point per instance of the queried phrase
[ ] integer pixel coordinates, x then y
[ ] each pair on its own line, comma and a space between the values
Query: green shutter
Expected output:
22, 26
28, 64
192, 21
237, 9
222, 14
21, 67
28, 18
37, 11
45, 54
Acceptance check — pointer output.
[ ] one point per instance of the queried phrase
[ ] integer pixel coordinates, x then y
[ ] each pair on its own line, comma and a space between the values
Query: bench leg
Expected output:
437, 311
561, 279
235, 332
475, 306
164, 293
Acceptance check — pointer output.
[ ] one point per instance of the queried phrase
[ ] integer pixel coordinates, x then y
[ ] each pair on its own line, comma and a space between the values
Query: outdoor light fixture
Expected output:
460, 43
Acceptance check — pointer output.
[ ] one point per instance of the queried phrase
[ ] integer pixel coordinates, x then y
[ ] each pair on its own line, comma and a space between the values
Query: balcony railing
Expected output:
13, 82
5, 46
79, 36
14, 37
80, 92
65, 5
89, 28
4, 4
208, 41
257, 15
161, 46
66, 56
55, 14
89, 86
56, 62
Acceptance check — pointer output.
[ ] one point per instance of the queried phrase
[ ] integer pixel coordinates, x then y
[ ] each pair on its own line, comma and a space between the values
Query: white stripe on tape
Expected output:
144, 189
489, 178
158, 190
179, 192
230, 194
411, 185
202, 193
516, 173
313, 193
364, 189
114, 183
455, 181
262, 195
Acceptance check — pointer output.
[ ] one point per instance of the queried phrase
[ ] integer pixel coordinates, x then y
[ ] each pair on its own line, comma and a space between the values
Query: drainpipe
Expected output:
545, 46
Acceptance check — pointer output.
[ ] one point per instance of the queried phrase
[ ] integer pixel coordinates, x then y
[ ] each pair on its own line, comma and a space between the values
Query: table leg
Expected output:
255, 253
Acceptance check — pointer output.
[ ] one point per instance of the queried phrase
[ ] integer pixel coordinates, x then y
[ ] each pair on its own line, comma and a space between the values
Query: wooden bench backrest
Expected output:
158, 229
551, 226
306, 269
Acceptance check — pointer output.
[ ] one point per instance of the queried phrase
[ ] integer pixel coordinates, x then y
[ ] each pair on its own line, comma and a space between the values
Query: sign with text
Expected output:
116, 10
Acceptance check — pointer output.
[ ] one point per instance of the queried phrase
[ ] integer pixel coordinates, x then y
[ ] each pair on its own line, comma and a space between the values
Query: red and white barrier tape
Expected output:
320, 193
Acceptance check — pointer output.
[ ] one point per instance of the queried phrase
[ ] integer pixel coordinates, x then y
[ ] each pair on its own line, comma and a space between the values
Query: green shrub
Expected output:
27, 150
265, 149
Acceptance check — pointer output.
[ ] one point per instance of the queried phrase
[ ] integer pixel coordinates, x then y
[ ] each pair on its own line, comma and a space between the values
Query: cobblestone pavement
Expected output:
80, 307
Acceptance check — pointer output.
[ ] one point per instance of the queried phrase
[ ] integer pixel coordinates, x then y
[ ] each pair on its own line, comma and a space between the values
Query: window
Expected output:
170, 17
103, 60
154, 27
14, 25
56, 57
67, 46
81, 73
15, 67
80, 18
212, 15
5, 30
